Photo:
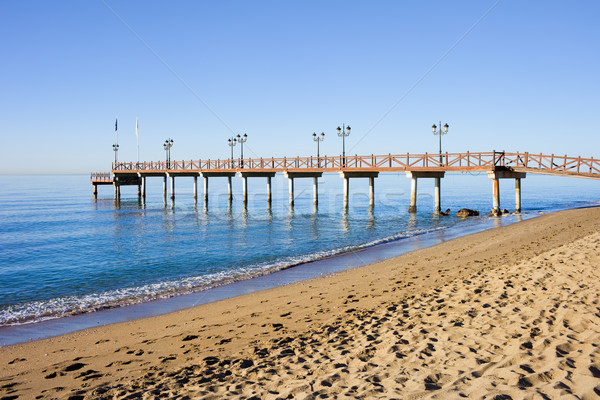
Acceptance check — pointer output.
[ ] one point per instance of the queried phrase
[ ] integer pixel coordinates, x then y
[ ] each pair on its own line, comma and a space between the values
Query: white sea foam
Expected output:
37, 311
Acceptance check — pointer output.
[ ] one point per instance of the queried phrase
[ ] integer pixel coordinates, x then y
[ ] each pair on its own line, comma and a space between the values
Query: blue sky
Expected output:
505, 75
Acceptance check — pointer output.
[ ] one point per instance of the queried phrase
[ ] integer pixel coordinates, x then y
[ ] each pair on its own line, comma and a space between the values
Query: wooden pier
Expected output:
498, 165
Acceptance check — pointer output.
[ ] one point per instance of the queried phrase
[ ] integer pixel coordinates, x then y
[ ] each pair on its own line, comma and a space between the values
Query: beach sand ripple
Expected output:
508, 314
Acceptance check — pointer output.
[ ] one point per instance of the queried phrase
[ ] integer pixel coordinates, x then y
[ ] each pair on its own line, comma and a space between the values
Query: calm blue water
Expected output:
63, 253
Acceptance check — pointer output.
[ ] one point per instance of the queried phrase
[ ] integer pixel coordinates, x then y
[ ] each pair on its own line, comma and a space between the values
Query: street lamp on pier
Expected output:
241, 140
439, 133
167, 146
231, 142
343, 132
318, 139
116, 150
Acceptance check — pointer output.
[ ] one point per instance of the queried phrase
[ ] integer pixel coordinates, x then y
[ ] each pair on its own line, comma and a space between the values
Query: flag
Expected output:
136, 128
116, 120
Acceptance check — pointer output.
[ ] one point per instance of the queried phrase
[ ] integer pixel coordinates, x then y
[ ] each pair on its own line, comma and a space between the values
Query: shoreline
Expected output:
507, 311
356, 258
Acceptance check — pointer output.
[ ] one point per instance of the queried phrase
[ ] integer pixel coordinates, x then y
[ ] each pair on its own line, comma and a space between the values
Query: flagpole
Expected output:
137, 135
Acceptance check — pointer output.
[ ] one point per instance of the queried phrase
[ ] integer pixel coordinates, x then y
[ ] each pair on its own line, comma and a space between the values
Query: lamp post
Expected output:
231, 142
116, 150
318, 139
167, 146
439, 133
438, 180
241, 140
343, 132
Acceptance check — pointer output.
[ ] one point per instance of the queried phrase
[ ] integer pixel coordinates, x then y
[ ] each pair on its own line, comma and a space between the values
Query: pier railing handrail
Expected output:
101, 176
469, 161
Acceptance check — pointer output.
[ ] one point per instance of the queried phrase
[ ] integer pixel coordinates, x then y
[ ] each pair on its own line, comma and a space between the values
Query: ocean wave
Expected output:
37, 311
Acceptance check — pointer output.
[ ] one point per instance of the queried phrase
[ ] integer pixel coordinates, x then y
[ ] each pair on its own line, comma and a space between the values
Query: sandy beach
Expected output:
510, 313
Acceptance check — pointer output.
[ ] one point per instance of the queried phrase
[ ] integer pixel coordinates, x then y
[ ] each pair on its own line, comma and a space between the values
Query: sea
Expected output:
69, 261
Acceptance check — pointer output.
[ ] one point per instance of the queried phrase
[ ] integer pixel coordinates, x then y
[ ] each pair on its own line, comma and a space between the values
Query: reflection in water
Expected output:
412, 220
129, 251
371, 219
345, 225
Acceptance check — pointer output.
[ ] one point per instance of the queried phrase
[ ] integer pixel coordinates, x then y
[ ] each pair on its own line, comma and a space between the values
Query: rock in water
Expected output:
466, 212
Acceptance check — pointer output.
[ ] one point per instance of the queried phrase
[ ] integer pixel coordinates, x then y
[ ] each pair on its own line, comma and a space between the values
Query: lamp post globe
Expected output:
231, 142
241, 140
167, 146
318, 139
116, 150
343, 132
439, 132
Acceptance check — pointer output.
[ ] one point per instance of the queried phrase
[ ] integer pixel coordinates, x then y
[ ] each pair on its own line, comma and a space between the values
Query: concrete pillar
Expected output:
172, 187
268, 189
245, 189
346, 190
229, 189
206, 189
165, 186
371, 191
291, 186
117, 191
95, 191
412, 208
437, 196
195, 188
518, 195
316, 190
143, 187
496, 194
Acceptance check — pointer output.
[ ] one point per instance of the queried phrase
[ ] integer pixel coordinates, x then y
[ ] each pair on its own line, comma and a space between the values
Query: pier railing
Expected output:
478, 161
101, 177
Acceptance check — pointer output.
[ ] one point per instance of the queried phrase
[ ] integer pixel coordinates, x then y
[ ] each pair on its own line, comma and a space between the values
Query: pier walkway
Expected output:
498, 165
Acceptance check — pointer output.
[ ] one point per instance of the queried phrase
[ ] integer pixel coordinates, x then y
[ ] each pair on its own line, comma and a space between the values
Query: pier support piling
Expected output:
165, 187
144, 187
371, 191
414, 176
229, 189
245, 189
504, 173
315, 190
412, 207
495, 194
437, 196
303, 174
269, 190
95, 191
346, 175
518, 195
206, 189
172, 187
291, 189
195, 188
346, 190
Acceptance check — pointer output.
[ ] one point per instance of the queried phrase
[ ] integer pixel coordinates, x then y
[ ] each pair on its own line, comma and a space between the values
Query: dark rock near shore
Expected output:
445, 213
498, 212
465, 212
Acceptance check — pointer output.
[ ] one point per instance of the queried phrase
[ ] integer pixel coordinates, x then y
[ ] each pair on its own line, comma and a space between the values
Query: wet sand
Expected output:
509, 313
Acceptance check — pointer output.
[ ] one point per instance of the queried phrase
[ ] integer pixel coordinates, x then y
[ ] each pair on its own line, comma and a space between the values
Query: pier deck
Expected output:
498, 165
